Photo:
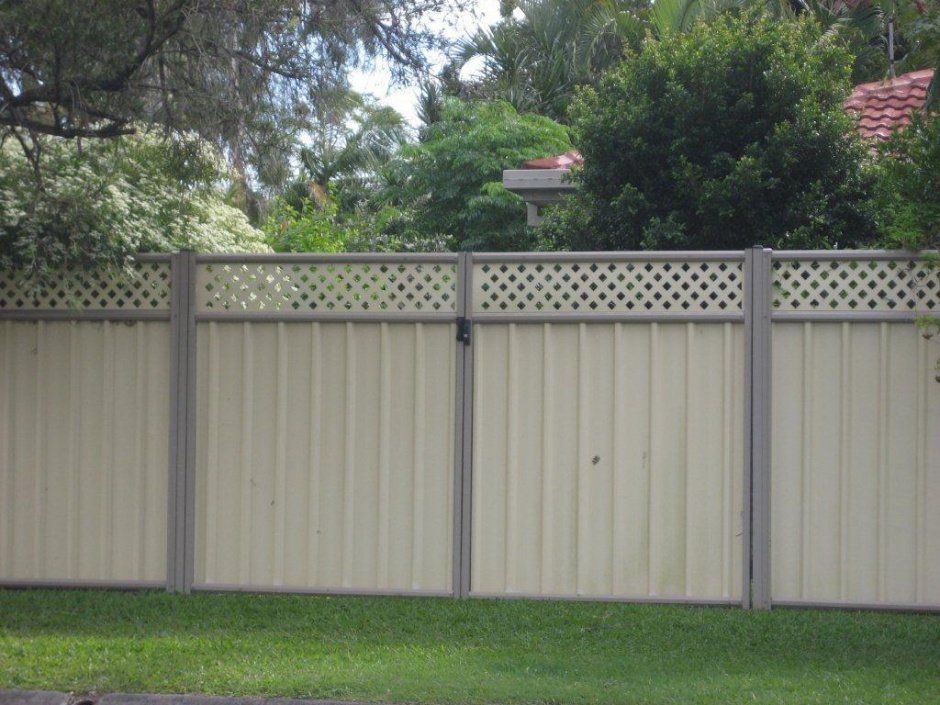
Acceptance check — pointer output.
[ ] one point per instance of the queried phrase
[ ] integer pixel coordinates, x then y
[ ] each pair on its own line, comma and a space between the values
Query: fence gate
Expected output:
608, 426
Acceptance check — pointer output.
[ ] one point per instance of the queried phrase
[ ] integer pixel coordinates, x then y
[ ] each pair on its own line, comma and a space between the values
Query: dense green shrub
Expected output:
909, 186
320, 225
312, 227
728, 136
909, 201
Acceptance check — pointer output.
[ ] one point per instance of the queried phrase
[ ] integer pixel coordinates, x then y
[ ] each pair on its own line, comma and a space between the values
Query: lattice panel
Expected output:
608, 287
145, 286
340, 287
855, 285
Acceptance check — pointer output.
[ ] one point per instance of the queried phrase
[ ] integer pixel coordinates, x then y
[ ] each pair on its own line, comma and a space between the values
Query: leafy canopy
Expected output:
535, 57
730, 135
909, 186
246, 75
451, 180
135, 193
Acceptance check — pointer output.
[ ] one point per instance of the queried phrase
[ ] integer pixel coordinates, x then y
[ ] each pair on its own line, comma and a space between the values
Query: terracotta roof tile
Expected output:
883, 106
561, 161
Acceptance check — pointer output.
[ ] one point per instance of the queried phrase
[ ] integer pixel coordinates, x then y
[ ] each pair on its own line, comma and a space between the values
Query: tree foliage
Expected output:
347, 149
909, 186
730, 135
535, 58
450, 182
115, 197
909, 200
243, 74
922, 32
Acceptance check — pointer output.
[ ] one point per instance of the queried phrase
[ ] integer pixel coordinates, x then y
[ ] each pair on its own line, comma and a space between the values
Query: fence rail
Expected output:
748, 427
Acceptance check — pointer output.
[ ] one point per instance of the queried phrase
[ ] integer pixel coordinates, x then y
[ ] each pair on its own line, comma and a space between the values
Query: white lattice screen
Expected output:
608, 287
340, 287
144, 286
901, 284
855, 285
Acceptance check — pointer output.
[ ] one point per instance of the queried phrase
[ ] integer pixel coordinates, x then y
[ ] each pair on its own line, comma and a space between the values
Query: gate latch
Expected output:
463, 330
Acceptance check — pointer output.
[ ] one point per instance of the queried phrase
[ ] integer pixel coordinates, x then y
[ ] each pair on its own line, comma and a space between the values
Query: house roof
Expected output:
560, 161
880, 107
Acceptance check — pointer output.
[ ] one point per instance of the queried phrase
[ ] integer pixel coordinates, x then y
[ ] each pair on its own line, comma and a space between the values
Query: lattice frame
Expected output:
341, 287
143, 286
855, 285
601, 286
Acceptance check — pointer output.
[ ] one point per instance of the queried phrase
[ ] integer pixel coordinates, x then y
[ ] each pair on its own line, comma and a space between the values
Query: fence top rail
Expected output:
153, 257
851, 255
290, 258
613, 256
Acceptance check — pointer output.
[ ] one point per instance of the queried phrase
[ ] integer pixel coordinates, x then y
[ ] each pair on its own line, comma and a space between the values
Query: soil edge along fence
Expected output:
752, 427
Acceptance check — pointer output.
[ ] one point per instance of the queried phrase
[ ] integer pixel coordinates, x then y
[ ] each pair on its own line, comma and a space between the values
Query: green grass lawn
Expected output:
475, 651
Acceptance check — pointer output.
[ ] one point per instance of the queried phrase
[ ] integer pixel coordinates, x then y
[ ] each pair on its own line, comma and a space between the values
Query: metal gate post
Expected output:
463, 442
757, 322
182, 451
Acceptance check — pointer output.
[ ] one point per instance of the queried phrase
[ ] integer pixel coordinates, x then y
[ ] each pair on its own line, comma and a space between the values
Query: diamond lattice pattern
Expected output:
608, 287
359, 287
145, 286
863, 285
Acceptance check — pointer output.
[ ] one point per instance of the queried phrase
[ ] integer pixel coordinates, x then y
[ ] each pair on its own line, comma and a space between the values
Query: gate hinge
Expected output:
463, 330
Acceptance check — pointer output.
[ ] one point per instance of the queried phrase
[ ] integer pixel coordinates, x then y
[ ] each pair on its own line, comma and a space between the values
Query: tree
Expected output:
330, 205
909, 186
243, 74
860, 25
450, 183
537, 60
921, 23
115, 197
730, 135
909, 200
347, 148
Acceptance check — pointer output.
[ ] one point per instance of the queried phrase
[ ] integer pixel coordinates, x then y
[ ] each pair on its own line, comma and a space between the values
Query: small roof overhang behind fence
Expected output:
538, 187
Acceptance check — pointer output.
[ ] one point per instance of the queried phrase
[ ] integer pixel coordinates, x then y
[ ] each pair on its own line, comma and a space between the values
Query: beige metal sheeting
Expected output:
83, 429
856, 464
608, 460
325, 455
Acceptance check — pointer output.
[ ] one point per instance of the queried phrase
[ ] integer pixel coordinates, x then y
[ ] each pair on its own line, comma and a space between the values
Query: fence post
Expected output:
463, 428
757, 321
181, 480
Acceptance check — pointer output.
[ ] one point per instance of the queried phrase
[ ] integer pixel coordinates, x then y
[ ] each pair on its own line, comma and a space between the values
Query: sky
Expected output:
403, 97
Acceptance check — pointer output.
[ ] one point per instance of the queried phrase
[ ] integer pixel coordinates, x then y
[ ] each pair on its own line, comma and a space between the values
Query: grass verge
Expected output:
475, 651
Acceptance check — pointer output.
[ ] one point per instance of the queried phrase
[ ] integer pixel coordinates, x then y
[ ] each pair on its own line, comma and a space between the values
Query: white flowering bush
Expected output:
95, 203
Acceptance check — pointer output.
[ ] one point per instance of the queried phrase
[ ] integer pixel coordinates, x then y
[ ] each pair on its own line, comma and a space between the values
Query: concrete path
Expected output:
46, 697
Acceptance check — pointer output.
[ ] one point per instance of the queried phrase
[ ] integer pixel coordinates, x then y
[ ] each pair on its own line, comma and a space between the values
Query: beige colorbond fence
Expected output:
747, 427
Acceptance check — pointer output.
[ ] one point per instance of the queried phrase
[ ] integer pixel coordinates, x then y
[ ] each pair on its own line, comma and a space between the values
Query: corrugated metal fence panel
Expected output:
83, 429
856, 464
325, 455
608, 459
